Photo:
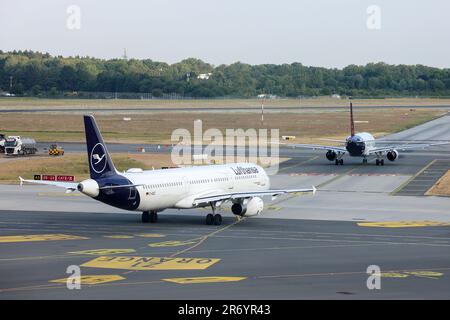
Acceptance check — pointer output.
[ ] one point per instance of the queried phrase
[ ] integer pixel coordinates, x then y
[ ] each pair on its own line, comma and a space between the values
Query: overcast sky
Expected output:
328, 33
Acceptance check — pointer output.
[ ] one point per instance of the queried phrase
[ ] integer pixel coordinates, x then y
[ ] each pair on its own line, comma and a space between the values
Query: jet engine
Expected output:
89, 187
392, 155
331, 155
253, 207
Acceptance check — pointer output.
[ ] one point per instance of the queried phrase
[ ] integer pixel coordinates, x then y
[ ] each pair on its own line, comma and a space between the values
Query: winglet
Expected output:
314, 190
21, 180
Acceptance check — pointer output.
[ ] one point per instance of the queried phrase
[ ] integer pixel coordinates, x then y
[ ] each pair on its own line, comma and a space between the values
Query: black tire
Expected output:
341, 162
217, 220
145, 217
377, 162
209, 219
382, 162
337, 162
153, 216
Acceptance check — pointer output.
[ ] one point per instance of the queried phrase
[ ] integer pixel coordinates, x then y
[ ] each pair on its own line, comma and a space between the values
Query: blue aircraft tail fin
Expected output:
100, 163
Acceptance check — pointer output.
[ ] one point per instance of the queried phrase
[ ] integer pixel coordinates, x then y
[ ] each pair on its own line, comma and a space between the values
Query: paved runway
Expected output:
211, 109
252, 259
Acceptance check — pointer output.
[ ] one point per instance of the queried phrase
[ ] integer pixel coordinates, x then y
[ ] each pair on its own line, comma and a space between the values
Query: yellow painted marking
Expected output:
118, 237
273, 208
426, 274
150, 235
406, 274
101, 252
150, 263
403, 224
393, 275
173, 243
204, 279
205, 237
39, 237
93, 279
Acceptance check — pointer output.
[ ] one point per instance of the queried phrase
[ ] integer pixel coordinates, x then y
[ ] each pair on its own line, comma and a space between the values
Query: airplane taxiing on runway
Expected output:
241, 184
364, 144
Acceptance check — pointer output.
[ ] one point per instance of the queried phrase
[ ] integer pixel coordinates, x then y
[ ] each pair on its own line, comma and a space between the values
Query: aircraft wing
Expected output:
406, 147
319, 147
70, 186
242, 195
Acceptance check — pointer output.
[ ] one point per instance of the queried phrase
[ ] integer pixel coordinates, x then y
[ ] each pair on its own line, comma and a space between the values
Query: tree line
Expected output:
37, 74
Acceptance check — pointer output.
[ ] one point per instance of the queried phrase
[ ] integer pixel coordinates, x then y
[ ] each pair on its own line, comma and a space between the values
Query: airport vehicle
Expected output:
16, 145
242, 184
2, 143
55, 150
364, 144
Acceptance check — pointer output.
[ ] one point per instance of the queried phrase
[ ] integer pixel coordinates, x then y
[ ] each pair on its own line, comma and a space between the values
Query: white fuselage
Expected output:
360, 144
178, 187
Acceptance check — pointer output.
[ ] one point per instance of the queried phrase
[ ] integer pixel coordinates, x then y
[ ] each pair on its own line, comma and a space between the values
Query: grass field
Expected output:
73, 164
442, 187
76, 164
30, 103
151, 128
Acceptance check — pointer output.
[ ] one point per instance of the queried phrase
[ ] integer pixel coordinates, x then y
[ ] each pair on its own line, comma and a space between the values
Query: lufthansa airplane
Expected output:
363, 145
241, 184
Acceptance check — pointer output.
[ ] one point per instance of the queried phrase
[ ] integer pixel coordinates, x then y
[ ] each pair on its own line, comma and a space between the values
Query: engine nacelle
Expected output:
89, 187
392, 155
331, 155
252, 208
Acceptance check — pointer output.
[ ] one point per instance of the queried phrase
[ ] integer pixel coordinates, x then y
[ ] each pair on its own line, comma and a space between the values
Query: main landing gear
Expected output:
213, 218
339, 162
379, 161
150, 216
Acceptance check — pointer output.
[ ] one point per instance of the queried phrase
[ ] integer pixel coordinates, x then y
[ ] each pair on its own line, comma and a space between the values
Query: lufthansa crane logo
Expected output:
98, 158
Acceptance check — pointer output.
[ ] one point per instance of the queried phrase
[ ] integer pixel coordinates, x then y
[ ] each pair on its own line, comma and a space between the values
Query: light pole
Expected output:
262, 110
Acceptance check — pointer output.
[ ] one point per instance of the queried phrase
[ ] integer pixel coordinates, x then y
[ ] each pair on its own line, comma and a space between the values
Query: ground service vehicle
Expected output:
2, 142
55, 150
16, 145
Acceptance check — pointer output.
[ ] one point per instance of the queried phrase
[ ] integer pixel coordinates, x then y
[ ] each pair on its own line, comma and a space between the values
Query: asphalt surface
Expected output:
276, 258
301, 247
409, 162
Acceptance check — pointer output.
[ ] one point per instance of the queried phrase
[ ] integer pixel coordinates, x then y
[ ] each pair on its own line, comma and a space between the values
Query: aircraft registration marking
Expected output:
39, 237
92, 279
403, 224
204, 280
150, 263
